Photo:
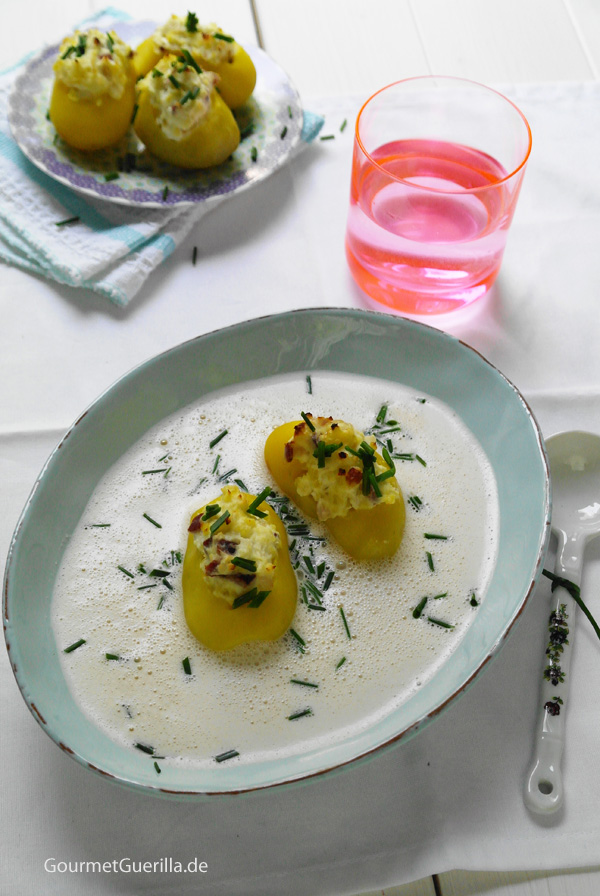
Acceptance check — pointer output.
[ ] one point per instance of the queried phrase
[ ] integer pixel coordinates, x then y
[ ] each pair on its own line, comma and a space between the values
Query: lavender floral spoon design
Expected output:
575, 474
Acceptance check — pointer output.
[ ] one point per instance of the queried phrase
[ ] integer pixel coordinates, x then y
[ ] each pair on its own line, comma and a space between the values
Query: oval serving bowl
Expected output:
368, 343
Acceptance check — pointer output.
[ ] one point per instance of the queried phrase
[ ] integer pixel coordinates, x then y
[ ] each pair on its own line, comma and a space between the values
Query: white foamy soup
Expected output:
333, 672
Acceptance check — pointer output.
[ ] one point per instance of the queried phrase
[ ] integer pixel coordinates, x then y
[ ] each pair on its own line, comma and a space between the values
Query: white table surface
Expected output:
56, 341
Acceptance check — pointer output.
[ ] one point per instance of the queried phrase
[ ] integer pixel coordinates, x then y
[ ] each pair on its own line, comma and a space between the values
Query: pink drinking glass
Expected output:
436, 172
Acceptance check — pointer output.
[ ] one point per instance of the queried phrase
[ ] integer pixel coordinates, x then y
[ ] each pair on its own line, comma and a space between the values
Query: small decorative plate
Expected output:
270, 124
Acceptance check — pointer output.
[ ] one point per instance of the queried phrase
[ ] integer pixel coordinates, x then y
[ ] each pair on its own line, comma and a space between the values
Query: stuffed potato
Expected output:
238, 581
334, 474
211, 49
93, 95
181, 118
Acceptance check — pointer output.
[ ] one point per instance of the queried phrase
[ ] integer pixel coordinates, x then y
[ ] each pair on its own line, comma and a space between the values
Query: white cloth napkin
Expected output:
452, 797
110, 249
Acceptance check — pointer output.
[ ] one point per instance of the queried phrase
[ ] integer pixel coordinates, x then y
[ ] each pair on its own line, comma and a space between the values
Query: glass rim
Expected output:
509, 176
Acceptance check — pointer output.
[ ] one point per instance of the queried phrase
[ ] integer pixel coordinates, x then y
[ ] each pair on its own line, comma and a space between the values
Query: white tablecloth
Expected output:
452, 796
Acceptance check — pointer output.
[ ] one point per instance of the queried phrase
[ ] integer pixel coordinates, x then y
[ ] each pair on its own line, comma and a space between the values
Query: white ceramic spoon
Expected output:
575, 475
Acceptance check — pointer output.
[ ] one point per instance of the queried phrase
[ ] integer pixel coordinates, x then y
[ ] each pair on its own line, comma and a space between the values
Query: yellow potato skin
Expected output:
238, 77
215, 623
95, 124
209, 143
365, 534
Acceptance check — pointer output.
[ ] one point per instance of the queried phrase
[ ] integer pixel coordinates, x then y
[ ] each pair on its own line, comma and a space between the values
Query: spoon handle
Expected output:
544, 786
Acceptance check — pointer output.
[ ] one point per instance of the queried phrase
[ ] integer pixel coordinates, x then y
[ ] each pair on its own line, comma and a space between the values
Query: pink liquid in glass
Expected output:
432, 241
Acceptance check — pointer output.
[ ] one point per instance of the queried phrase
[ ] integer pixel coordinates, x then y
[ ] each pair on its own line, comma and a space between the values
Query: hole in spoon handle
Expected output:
544, 786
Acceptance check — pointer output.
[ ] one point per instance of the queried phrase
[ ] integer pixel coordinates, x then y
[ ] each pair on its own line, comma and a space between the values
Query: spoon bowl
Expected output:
575, 476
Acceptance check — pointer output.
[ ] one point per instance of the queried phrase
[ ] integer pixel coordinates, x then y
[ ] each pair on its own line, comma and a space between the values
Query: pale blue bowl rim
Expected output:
300, 768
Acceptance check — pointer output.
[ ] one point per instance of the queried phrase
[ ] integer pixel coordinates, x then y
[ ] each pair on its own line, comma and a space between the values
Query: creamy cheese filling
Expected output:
180, 96
239, 549
178, 33
343, 469
93, 64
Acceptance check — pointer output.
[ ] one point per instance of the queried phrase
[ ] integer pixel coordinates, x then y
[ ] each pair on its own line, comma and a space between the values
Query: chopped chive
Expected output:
328, 137
218, 438
245, 598
382, 413
112, 656
290, 115
320, 569
74, 646
300, 714
439, 622
298, 638
257, 601
438, 596
224, 37
431, 535
223, 757
187, 668
218, 523
309, 384
145, 587
430, 561
473, 601
126, 572
216, 463
243, 563
189, 95
157, 767
420, 459
306, 684
100, 526
254, 153
167, 584
69, 51
67, 221
165, 193
309, 564
241, 484
156, 73
150, 520
345, 621
112, 175
187, 57
283, 132
320, 454
161, 602
421, 400
252, 508
385, 432
328, 580
174, 81
224, 476
311, 606
191, 22
194, 254
158, 573
343, 125
307, 420
415, 501
316, 593
150, 472
145, 748
419, 608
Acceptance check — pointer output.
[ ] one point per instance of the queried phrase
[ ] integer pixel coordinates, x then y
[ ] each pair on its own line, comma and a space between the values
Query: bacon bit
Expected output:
354, 476
195, 524
226, 547
341, 472
289, 451
210, 568
299, 427
342, 455
334, 425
